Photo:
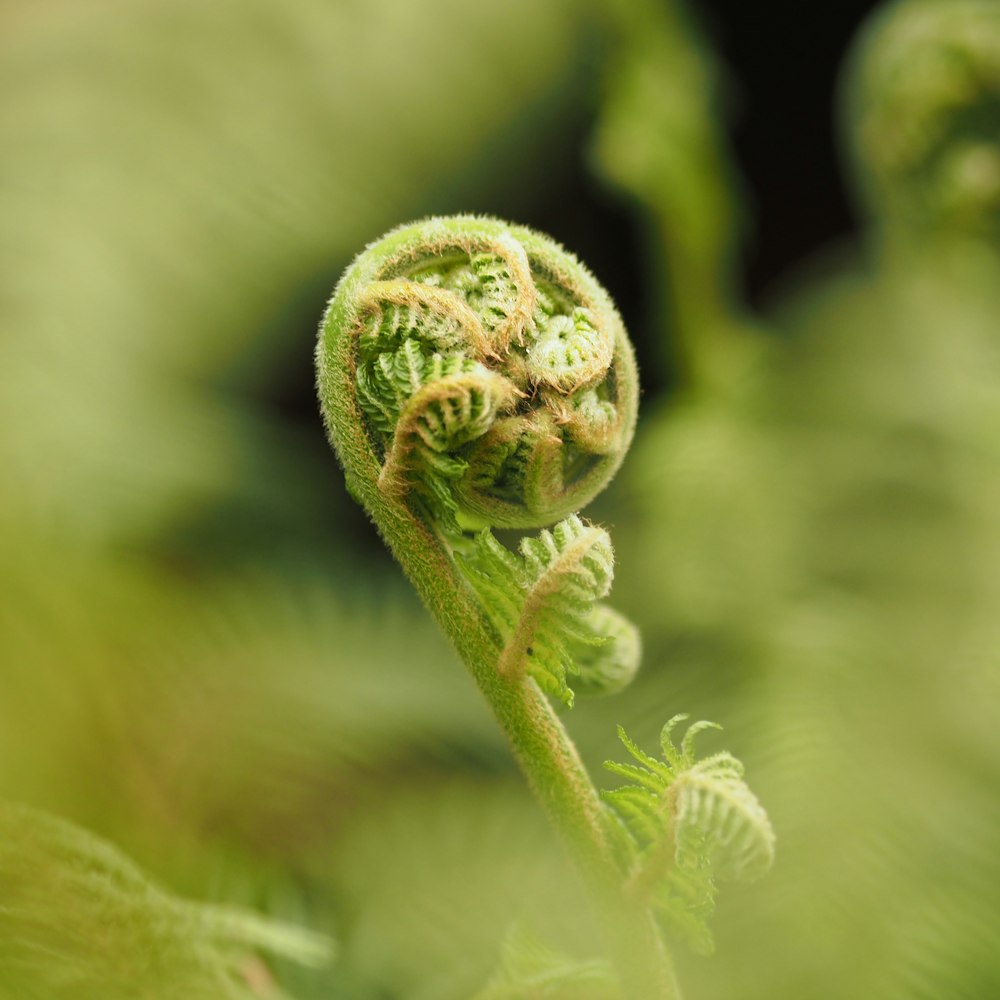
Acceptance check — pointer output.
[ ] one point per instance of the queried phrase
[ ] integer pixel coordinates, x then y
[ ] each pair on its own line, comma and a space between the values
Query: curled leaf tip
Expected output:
489, 373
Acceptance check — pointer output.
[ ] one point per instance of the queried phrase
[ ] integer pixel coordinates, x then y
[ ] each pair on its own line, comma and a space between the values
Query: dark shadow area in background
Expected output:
782, 124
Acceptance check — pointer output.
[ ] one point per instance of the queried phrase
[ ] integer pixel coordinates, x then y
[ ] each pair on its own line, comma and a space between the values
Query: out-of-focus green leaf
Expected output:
79, 920
811, 553
241, 706
659, 138
921, 114
856, 632
531, 971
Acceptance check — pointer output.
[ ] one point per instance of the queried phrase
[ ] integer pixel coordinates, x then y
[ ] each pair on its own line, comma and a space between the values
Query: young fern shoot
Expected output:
687, 823
474, 376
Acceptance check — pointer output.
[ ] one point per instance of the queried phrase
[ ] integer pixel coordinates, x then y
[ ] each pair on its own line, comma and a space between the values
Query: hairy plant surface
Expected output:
474, 377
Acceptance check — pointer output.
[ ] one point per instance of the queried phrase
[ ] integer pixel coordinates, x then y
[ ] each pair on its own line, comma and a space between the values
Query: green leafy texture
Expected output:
79, 920
531, 971
432, 405
492, 374
888, 391
225, 710
689, 822
543, 604
825, 535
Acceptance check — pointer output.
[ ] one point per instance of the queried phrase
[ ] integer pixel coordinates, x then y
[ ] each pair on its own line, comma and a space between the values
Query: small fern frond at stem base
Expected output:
542, 603
718, 816
685, 824
684, 900
530, 969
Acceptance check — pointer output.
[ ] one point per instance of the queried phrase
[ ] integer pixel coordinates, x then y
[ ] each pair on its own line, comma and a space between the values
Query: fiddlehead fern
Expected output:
489, 384
484, 357
474, 376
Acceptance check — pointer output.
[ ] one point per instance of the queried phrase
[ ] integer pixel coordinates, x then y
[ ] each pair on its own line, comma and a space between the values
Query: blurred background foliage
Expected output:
207, 659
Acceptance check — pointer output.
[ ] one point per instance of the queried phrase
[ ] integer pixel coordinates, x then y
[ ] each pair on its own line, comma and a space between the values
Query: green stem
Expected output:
546, 754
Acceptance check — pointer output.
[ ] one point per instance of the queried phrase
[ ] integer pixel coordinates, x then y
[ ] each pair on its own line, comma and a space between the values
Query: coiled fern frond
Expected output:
474, 378
428, 406
686, 823
484, 353
543, 603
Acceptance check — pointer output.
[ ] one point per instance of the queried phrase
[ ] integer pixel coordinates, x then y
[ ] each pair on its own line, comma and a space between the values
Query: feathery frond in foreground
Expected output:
79, 920
686, 823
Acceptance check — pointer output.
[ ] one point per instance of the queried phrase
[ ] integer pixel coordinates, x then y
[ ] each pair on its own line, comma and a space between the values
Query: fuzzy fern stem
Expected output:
474, 375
